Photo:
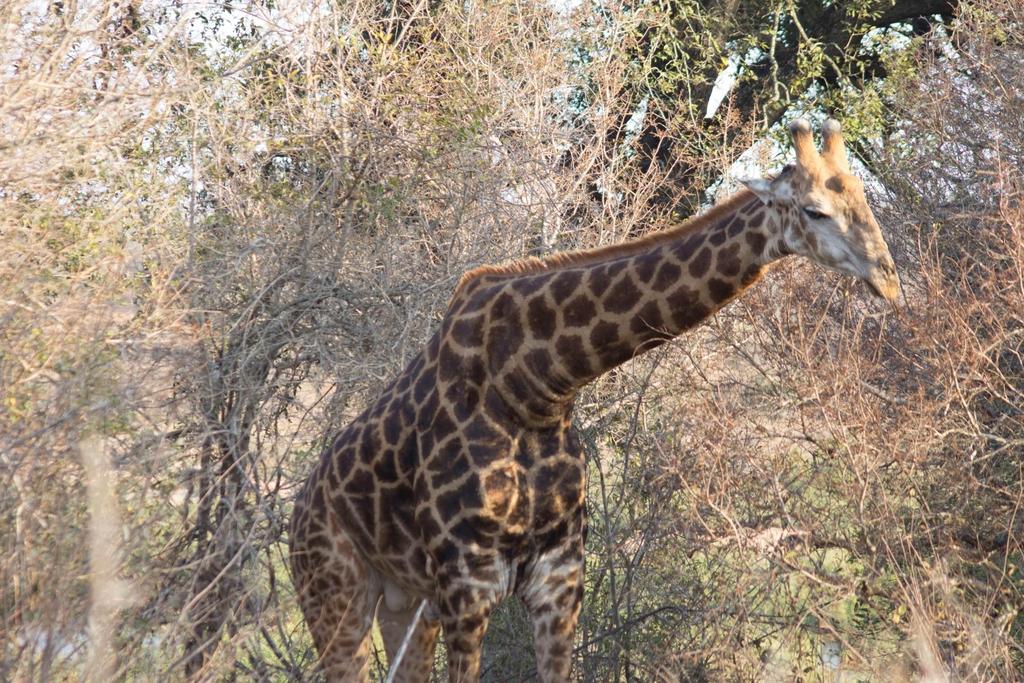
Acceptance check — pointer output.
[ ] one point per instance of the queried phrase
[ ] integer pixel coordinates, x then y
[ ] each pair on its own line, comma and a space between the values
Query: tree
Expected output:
788, 54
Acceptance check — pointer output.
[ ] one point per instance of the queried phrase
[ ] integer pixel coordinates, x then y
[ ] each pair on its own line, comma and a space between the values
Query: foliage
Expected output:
223, 231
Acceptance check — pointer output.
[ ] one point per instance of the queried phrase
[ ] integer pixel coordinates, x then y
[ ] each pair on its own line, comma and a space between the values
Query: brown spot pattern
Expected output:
580, 311
540, 318
728, 261
700, 263
622, 297
720, 290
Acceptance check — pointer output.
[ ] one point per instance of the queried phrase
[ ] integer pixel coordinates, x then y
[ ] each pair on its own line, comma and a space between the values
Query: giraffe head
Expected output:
826, 214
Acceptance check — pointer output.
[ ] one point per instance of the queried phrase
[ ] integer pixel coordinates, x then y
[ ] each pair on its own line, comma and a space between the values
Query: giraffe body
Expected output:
464, 483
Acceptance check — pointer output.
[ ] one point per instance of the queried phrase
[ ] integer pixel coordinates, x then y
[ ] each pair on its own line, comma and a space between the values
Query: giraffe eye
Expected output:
814, 214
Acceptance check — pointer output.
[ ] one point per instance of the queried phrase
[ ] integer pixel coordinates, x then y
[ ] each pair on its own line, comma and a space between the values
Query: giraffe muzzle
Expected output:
884, 282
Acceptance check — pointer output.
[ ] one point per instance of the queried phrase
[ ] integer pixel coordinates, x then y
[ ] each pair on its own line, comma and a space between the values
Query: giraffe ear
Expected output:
761, 187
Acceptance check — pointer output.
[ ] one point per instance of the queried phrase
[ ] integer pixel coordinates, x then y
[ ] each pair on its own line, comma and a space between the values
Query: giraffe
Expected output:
463, 484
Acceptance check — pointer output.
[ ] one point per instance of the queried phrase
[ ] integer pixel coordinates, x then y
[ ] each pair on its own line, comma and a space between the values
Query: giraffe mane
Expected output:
539, 264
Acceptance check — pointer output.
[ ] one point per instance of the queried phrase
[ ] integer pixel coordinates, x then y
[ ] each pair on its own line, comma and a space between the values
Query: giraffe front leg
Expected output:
553, 593
464, 637
466, 604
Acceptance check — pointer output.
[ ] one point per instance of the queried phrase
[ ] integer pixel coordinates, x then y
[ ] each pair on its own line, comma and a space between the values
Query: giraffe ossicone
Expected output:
464, 483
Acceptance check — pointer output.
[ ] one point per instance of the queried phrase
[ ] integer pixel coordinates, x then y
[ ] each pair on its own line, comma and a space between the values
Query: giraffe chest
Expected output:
501, 492
423, 486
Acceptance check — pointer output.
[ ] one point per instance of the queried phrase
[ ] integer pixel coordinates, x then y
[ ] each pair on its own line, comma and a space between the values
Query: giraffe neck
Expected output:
585, 317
